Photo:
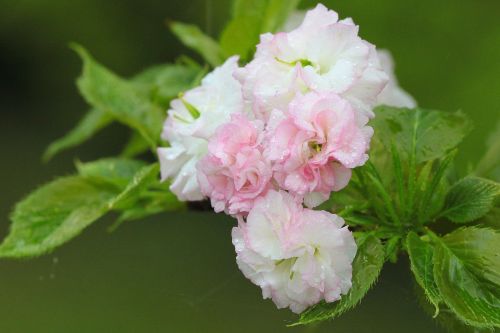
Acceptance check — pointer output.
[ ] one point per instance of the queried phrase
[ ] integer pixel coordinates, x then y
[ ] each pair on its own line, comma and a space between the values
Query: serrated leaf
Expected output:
139, 182
167, 82
250, 19
114, 171
425, 133
446, 318
129, 177
467, 273
191, 36
431, 199
422, 266
470, 199
164, 202
366, 269
151, 204
91, 123
52, 215
119, 98
450, 322
161, 83
60, 210
174, 77
140, 192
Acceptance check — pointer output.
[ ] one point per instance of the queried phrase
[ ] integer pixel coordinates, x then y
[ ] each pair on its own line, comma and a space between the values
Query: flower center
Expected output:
315, 147
303, 62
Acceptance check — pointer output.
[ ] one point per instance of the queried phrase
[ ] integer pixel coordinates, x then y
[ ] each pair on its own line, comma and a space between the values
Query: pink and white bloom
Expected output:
322, 54
191, 121
315, 144
393, 94
234, 173
297, 256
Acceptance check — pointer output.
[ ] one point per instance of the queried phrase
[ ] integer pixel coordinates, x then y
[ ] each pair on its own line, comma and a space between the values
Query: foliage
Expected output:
60, 210
395, 203
470, 199
467, 273
417, 190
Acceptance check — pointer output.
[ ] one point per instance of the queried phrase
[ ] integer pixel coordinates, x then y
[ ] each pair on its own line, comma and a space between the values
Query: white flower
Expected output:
297, 256
322, 54
392, 94
191, 121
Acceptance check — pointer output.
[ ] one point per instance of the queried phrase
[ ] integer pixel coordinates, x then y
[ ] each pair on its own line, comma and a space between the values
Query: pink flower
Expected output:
322, 54
297, 256
234, 172
315, 144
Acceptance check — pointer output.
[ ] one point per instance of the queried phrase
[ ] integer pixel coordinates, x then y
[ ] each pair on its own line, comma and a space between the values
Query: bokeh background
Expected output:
176, 272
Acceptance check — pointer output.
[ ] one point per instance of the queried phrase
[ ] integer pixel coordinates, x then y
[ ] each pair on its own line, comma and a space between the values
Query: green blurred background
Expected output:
176, 272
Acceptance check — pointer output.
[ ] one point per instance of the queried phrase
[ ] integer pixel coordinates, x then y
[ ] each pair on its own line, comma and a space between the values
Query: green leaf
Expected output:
432, 195
381, 192
112, 171
140, 181
240, 37
119, 98
399, 178
446, 318
52, 215
129, 177
92, 122
140, 192
421, 254
470, 199
161, 83
168, 81
467, 273
450, 322
60, 210
149, 203
185, 71
191, 36
366, 269
427, 134
250, 19
272, 14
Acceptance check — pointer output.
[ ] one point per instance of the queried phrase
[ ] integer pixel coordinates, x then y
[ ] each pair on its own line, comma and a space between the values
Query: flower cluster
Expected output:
283, 132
